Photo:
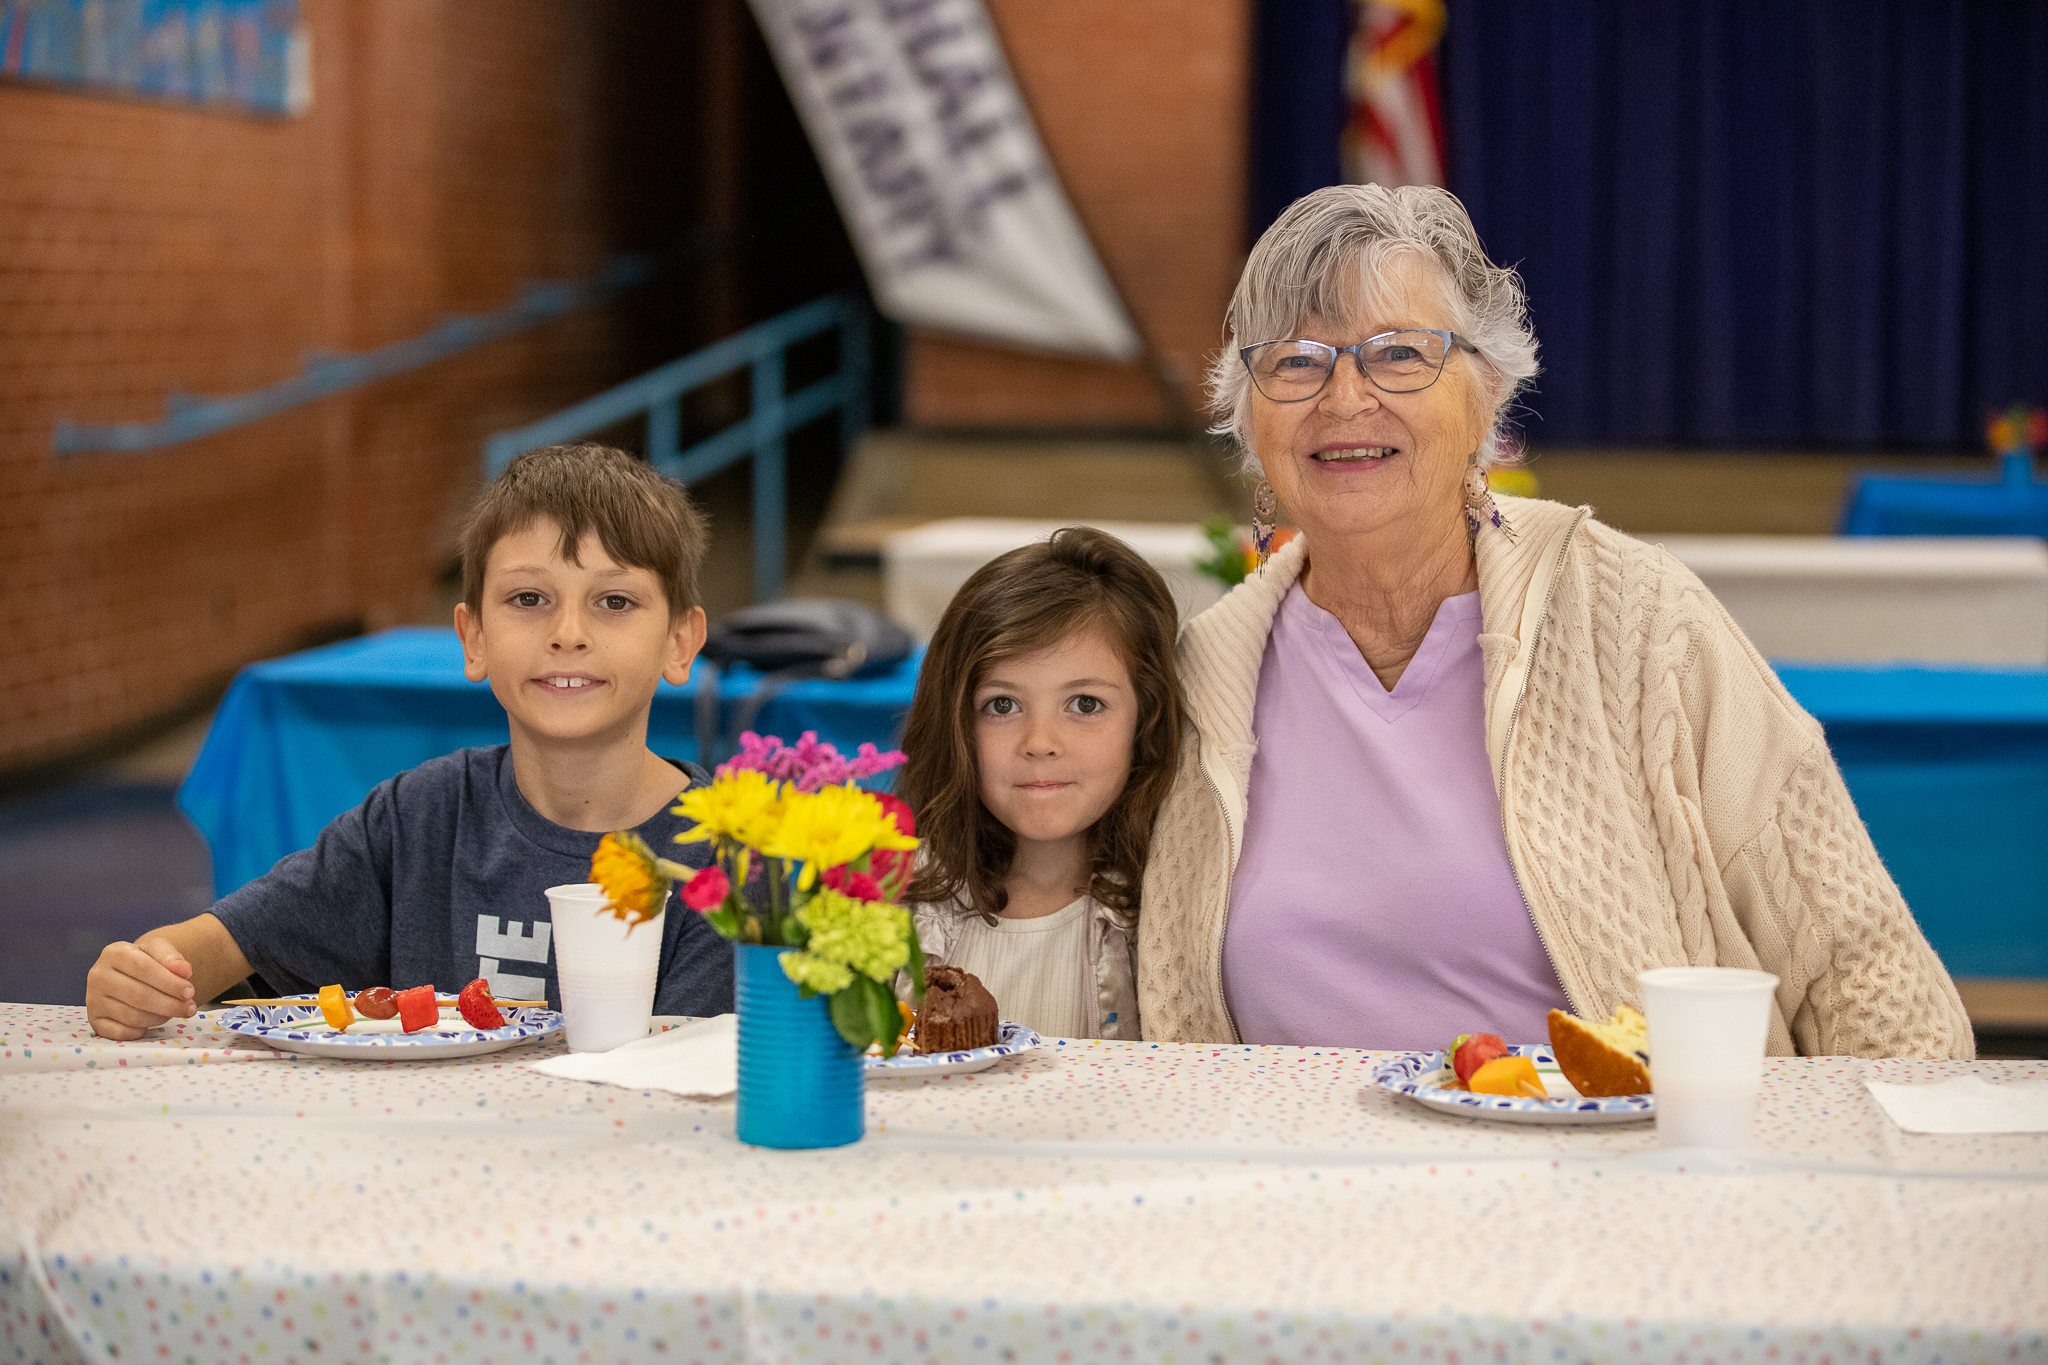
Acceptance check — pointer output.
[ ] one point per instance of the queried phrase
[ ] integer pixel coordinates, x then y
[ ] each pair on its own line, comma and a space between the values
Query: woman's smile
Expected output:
1345, 453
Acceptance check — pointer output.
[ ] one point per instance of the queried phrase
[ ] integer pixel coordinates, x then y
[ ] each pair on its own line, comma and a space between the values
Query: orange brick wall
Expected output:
1143, 108
449, 155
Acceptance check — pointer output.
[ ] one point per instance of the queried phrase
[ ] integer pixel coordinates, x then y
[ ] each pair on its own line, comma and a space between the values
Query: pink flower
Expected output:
857, 885
706, 890
810, 764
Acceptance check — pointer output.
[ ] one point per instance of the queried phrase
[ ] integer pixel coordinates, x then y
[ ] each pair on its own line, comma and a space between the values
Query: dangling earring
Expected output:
1264, 505
1479, 504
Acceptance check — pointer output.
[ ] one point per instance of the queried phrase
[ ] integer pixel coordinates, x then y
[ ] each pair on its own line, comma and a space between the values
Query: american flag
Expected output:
1395, 132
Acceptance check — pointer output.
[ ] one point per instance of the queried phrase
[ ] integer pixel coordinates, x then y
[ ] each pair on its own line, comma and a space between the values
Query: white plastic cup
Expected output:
606, 974
1707, 1031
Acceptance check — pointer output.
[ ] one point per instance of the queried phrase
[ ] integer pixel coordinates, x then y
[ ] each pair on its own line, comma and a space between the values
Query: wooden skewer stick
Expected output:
444, 1000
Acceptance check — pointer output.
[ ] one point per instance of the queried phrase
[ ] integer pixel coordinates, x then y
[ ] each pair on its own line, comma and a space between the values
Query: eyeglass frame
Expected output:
1357, 353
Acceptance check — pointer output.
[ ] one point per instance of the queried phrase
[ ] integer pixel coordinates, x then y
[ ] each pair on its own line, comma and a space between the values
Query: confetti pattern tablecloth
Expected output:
1092, 1202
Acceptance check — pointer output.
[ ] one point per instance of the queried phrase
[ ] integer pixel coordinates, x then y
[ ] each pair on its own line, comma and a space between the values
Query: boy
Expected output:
579, 569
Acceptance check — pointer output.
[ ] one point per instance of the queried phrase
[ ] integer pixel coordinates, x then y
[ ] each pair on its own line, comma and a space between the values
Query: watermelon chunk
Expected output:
418, 1008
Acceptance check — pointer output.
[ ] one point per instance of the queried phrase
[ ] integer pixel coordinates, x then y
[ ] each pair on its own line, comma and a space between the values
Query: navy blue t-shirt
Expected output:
440, 877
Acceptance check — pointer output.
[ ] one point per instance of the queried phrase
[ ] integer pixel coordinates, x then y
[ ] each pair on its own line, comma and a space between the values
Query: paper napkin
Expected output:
1965, 1104
700, 1058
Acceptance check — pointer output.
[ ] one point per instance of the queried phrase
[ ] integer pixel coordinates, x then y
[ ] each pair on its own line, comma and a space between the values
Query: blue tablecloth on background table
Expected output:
301, 739
1955, 506
1949, 767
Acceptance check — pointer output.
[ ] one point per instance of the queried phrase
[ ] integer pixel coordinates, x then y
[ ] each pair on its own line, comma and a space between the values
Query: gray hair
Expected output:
1327, 246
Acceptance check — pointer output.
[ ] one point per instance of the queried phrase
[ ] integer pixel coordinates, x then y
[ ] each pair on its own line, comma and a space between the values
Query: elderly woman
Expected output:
1460, 763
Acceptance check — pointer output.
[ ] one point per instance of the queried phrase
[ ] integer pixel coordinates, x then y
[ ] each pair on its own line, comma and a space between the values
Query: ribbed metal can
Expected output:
801, 1084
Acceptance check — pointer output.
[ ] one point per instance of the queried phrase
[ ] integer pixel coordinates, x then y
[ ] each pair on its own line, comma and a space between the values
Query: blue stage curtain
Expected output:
1298, 105
1770, 223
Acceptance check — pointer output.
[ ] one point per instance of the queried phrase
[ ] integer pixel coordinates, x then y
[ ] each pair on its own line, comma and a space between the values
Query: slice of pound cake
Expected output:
1612, 1058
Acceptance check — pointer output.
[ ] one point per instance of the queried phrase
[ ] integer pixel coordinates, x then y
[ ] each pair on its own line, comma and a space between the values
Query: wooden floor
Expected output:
2009, 1014
1646, 492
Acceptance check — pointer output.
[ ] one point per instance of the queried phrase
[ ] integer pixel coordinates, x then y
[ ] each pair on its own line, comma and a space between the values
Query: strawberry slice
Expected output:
477, 1006
1470, 1051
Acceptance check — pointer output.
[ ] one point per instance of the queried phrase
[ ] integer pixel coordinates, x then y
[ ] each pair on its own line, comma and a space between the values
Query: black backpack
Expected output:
804, 637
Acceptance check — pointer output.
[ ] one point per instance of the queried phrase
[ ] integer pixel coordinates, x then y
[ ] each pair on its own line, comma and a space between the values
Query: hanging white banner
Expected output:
960, 222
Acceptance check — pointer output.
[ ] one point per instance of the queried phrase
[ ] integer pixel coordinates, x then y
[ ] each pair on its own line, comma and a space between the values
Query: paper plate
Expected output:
1011, 1039
302, 1029
1425, 1078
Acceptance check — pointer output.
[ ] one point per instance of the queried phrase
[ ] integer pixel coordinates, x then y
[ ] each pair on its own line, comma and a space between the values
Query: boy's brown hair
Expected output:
1018, 604
643, 520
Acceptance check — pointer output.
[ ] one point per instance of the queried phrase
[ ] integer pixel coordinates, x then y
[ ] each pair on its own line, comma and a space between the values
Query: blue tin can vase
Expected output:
801, 1084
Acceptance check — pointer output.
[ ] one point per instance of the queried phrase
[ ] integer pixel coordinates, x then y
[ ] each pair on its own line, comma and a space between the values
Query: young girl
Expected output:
1041, 741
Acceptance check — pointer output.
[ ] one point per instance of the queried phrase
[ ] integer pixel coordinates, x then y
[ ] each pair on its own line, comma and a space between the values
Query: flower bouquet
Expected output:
805, 872
1231, 558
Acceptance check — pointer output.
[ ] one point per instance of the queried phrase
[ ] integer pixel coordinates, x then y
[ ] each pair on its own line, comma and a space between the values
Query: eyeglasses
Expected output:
1396, 362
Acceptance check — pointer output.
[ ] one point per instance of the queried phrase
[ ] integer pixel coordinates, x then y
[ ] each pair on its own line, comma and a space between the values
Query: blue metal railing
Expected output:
187, 418
658, 395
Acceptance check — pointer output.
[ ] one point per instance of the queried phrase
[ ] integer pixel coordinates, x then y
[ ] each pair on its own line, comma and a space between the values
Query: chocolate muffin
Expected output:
958, 1012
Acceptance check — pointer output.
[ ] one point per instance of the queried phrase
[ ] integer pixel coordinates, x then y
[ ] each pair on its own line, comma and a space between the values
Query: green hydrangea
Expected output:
824, 977
871, 937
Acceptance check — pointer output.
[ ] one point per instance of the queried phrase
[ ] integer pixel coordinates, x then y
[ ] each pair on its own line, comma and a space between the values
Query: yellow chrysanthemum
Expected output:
831, 826
631, 876
740, 807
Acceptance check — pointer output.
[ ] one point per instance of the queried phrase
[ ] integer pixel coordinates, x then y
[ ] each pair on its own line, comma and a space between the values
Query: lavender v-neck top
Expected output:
1374, 905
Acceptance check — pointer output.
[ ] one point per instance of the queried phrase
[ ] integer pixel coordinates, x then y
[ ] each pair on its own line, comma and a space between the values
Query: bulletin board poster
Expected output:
240, 55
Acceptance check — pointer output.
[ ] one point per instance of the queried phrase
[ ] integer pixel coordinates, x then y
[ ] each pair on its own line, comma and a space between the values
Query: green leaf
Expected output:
916, 968
725, 919
1225, 562
883, 1016
850, 1015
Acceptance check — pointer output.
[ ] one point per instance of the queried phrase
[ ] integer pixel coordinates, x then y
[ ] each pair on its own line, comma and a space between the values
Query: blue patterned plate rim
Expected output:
276, 1021
1011, 1039
1423, 1076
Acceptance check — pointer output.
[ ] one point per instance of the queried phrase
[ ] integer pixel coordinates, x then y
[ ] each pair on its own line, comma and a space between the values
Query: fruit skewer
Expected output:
416, 1007
445, 1001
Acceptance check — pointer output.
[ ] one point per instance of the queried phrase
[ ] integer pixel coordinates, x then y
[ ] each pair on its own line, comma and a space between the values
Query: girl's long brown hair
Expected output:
1018, 604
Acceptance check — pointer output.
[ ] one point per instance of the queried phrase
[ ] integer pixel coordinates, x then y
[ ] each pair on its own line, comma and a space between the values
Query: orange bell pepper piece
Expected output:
1508, 1076
334, 1004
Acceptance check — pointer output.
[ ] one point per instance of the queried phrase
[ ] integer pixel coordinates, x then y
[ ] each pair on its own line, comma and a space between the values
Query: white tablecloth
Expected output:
1090, 1202
924, 567
1935, 599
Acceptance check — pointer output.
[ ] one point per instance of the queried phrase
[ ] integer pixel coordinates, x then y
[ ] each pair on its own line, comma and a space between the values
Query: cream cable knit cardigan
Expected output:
1665, 802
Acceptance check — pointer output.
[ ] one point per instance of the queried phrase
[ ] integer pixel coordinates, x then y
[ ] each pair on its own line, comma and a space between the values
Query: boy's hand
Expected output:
136, 986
